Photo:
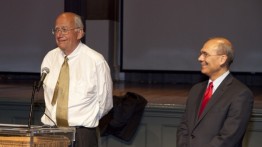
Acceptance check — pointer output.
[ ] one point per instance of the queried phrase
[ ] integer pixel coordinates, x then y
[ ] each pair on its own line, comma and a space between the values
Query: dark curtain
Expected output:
79, 7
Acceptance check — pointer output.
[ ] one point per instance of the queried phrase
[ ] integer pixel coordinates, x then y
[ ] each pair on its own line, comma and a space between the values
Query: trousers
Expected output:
86, 137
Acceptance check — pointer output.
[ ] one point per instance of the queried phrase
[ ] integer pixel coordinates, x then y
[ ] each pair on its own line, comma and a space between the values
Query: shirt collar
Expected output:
219, 80
74, 53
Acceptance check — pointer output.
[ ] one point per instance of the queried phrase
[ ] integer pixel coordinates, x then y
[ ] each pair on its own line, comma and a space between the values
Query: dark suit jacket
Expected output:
224, 120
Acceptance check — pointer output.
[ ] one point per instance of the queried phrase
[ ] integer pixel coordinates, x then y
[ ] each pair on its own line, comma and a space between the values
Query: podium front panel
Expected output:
36, 136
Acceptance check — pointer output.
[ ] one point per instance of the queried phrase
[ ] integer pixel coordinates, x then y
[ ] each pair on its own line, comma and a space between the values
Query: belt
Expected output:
82, 127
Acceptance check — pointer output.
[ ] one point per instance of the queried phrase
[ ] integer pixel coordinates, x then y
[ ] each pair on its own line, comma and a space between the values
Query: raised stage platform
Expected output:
160, 119
171, 94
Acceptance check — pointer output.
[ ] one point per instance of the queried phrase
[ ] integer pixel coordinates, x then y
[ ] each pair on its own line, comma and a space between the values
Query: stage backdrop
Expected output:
25, 33
168, 34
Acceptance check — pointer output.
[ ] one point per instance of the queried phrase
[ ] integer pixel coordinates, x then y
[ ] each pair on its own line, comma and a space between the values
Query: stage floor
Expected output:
154, 93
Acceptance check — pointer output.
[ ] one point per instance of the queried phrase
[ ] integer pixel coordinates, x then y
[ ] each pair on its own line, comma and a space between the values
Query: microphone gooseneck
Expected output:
36, 88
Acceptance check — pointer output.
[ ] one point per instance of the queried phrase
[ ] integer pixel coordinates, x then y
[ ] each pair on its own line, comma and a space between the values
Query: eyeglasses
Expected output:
205, 54
64, 31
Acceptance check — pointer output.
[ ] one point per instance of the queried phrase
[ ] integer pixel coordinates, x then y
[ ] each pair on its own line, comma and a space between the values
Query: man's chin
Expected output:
61, 46
203, 71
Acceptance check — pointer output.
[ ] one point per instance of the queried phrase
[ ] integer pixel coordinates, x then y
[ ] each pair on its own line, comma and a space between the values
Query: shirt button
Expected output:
192, 136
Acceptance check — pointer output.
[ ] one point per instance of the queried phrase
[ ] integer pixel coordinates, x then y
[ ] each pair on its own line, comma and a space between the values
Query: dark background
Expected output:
113, 10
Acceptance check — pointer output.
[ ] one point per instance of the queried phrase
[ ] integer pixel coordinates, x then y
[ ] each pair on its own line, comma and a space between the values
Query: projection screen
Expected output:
26, 33
166, 35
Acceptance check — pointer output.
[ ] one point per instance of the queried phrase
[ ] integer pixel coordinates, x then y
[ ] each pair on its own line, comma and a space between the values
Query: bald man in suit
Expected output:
224, 119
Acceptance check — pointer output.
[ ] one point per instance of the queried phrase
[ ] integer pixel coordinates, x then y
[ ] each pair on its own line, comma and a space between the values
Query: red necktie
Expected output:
206, 98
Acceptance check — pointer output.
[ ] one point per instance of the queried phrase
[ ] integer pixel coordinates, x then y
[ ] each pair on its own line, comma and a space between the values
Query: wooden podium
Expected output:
36, 136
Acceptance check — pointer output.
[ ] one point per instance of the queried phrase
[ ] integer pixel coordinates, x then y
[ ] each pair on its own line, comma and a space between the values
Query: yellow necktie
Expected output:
61, 95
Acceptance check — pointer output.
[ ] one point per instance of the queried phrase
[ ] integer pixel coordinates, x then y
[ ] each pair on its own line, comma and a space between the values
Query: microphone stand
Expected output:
31, 104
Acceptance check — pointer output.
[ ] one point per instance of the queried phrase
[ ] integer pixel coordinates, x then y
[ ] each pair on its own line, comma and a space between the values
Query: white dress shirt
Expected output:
218, 81
90, 86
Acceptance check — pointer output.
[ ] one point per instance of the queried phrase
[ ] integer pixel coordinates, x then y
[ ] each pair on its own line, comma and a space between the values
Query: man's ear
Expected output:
223, 60
81, 33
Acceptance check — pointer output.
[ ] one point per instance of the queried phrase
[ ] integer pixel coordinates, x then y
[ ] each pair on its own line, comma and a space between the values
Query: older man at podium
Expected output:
78, 88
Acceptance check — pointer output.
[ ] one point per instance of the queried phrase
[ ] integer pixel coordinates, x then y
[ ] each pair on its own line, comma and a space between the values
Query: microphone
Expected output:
36, 87
45, 71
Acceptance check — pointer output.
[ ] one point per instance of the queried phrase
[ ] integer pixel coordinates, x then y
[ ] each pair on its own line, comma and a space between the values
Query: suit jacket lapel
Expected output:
216, 96
202, 88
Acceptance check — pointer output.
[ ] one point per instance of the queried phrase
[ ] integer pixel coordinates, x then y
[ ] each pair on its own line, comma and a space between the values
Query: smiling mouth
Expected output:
203, 66
61, 41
